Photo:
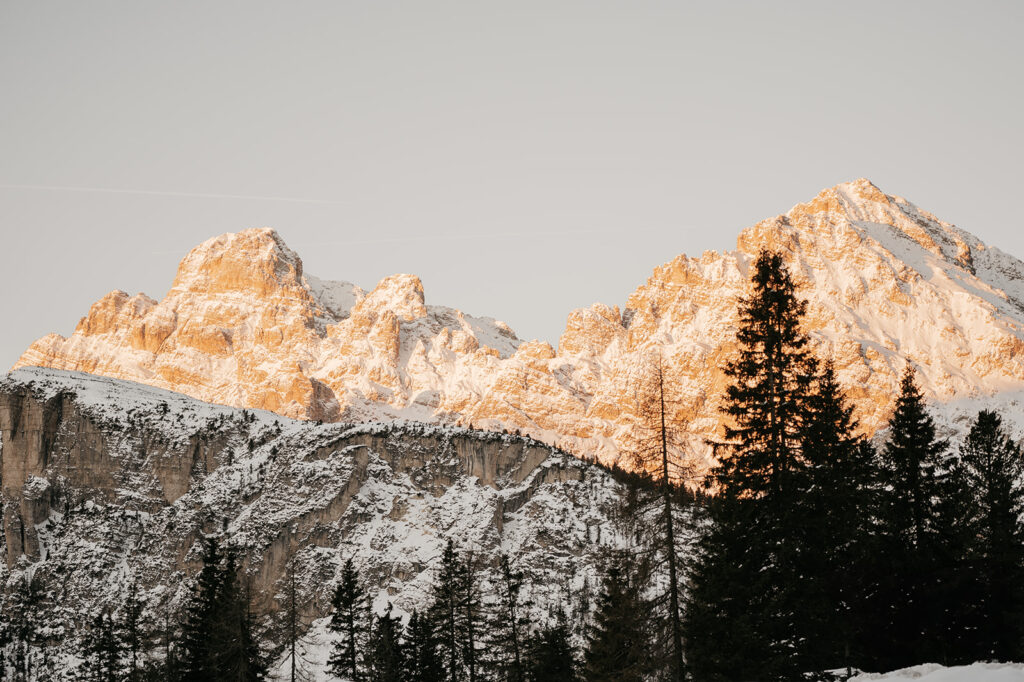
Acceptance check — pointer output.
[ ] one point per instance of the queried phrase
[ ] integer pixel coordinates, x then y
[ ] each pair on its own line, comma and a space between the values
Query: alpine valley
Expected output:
308, 421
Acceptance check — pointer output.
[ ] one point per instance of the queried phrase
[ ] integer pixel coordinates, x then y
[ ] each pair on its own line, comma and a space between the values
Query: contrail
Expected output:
107, 190
454, 237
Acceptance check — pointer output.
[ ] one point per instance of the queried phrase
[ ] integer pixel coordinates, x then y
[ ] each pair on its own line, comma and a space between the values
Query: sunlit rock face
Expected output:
887, 283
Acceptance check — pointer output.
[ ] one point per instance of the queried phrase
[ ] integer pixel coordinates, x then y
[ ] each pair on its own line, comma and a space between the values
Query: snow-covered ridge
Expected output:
105, 482
888, 283
107, 399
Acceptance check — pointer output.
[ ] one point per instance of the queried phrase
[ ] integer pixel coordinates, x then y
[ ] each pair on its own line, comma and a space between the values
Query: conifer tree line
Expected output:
462, 635
214, 639
819, 553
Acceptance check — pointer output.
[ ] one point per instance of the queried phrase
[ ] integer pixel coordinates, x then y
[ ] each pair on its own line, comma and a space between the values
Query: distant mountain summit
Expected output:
244, 325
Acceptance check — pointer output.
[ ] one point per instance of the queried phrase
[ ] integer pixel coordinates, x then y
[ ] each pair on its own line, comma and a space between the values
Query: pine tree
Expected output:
348, 623
550, 654
908, 594
744, 609
170, 640
446, 611
954, 587
617, 644
837, 498
656, 511
296, 645
133, 633
237, 654
201, 618
384, 652
420, 648
218, 640
24, 627
507, 624
101, 652
722, 621
768, 398
992, 466
468, 586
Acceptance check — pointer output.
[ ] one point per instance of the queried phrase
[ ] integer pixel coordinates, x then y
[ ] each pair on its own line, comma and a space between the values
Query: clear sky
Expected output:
524, 158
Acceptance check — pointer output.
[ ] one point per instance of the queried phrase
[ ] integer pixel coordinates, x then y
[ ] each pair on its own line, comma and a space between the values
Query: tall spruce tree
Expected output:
768, 398
617, 643
420, 649
133, 633
837, 500
297, 645
992, 465
202, 618
218, 640
507, 624
348, 623
550, 653
744, 609
385, 660
101, 652
907, 597
473, 615
170, 641
446, 611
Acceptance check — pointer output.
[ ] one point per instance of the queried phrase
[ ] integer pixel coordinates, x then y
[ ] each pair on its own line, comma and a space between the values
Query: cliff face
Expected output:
887, 283
106, 482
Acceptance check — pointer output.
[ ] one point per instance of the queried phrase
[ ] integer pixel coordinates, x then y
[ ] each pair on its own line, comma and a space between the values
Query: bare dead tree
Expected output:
661, 421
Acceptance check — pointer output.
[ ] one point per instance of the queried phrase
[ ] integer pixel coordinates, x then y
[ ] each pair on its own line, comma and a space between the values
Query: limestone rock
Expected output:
887, 283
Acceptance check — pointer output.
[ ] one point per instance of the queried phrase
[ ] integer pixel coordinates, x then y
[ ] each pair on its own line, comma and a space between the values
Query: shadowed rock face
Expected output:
105, 482
887, 283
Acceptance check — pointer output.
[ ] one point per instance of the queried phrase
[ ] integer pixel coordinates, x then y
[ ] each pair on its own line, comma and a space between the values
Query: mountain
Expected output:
887, 283
105, 482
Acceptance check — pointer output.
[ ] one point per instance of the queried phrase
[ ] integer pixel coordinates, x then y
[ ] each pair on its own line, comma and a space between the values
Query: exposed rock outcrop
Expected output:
887, 283
102, 477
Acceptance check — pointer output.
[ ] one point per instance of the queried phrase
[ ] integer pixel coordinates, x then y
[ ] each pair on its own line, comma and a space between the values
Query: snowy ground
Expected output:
930, 672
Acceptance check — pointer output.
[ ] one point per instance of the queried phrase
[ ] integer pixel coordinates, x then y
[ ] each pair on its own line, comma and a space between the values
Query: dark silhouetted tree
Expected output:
911, 620
218, 640
102, 652
617, 643
838, 496
384, 652
202, 618
133, 633
422, 661
507, 624
446, 612
470, 602
992, 467
744, 613
348, 623
550, 654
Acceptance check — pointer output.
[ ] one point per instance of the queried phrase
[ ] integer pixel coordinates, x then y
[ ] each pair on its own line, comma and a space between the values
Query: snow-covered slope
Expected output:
104, 482
977, 672
887, 283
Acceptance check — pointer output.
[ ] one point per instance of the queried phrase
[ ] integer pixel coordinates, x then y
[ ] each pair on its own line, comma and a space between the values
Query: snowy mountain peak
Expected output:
860, 202
401, 294
254, 261
887, 283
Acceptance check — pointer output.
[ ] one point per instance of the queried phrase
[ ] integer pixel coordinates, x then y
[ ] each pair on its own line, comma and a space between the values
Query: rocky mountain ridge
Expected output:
887, 283
104, 483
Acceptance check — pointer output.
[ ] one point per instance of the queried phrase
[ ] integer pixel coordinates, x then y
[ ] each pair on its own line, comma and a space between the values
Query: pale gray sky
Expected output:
524, 158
